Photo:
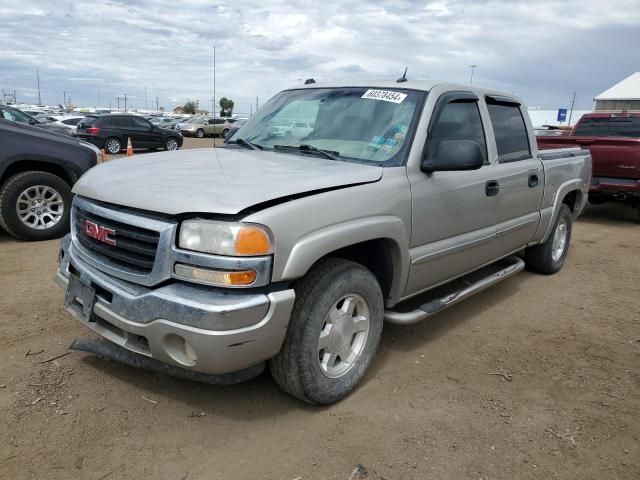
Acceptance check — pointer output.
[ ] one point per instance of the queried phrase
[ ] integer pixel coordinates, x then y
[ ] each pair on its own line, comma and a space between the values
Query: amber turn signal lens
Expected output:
252, 241
215, 277
245, 277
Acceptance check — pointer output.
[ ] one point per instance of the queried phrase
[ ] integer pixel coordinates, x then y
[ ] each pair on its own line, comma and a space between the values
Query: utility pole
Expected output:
118, 100
473, 67
157, 108
250, 110
573, 102
214, 83
38, 77
145, 98
64, 99
257, 104
125, 103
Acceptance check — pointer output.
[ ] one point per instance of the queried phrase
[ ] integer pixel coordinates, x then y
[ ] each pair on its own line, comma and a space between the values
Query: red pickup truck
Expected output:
614, 142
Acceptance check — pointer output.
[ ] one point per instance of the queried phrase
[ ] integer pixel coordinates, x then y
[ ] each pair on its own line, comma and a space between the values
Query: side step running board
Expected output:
462, 288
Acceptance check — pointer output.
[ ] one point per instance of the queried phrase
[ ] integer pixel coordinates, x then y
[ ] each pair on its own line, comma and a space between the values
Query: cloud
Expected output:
541, 50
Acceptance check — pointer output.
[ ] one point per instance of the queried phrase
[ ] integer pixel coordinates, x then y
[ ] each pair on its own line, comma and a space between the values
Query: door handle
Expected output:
491, 188
533, 180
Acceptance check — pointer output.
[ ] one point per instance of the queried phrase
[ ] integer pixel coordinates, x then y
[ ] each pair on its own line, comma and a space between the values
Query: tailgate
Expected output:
615, 157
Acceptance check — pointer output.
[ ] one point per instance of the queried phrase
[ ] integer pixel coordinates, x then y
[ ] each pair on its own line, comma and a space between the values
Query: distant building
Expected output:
622, 97
180, 111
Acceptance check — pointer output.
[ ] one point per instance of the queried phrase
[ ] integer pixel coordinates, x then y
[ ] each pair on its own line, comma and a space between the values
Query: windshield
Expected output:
193, 120
358, 124
17, 115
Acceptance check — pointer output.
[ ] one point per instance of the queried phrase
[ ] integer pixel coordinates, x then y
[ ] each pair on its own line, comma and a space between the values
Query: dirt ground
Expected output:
535, 378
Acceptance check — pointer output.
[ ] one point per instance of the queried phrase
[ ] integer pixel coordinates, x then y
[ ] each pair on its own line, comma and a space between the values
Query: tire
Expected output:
41, 220
326, 289
112, 145
200, 133
549, 256
224, 132
171, 144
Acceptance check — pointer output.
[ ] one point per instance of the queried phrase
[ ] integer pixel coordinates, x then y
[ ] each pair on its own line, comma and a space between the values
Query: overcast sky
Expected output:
543, 51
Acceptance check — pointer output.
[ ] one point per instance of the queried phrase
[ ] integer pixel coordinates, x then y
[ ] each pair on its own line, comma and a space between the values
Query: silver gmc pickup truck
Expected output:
292, 246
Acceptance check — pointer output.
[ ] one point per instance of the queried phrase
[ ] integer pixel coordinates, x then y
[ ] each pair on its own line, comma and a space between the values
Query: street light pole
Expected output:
125, 103
473, 67
38, 77
214, 82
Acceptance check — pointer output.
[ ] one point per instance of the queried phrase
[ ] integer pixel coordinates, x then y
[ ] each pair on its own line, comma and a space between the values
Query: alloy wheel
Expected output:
40, 207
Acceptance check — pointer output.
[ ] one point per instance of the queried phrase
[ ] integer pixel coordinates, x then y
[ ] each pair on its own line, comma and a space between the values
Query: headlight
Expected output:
225, 238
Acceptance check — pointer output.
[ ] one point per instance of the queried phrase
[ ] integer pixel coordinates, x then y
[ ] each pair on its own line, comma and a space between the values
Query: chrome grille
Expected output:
135, 248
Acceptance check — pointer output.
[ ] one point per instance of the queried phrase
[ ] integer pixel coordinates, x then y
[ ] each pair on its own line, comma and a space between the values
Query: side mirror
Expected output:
453, 155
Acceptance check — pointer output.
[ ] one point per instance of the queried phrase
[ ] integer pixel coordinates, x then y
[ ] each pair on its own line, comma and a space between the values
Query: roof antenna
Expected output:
403, 78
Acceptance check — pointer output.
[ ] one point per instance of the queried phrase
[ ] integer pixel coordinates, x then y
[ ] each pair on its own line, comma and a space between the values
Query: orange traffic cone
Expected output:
103, 155
129, 147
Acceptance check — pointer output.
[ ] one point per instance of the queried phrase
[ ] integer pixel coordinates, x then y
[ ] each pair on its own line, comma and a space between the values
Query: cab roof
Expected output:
420, 85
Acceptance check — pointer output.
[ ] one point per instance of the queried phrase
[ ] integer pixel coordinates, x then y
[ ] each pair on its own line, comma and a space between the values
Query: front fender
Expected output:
315, 245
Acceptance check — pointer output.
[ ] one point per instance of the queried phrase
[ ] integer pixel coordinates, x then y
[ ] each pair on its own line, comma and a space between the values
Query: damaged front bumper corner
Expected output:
193, 327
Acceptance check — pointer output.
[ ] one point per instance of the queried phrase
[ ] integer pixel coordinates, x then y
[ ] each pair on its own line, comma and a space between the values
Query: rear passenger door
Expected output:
453, 217
518, 174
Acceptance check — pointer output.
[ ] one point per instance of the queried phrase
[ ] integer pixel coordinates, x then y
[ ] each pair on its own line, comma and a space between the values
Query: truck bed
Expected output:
617, 157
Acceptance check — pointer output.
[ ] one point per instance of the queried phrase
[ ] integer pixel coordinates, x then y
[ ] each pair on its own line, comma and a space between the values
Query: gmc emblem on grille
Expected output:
99, 232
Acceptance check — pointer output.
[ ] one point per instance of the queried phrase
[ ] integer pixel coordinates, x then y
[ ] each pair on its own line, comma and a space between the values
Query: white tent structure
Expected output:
622, 97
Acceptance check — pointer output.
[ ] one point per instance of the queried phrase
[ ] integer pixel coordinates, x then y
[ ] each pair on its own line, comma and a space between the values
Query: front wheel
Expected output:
113, 145
200, 133
549, 256
171, 144
333, 333
35, 206
224, 132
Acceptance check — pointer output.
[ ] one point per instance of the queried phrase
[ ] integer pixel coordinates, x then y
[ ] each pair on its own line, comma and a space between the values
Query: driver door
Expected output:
453, 212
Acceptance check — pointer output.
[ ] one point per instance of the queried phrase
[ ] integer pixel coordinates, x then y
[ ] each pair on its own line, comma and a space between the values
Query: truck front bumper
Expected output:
199, 328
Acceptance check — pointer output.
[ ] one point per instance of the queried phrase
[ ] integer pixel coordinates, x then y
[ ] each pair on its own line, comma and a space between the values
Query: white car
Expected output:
69, 121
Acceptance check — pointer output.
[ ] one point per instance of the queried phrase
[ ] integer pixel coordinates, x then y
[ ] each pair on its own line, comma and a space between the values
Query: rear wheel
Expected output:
113, 145
35, 206
200, 133
224, 132
333, 333
549, 256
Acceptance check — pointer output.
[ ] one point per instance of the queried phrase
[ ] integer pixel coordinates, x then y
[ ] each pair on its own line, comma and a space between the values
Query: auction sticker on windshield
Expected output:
384, 95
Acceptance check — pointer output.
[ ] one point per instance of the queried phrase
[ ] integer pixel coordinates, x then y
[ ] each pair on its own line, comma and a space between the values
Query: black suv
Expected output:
111, 131
37, 170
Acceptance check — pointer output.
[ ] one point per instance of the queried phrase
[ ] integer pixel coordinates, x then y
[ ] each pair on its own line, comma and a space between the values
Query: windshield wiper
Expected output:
310, 149
244, 143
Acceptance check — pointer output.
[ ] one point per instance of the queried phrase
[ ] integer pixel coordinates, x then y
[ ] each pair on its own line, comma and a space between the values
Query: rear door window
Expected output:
510, 131
609, 127
139, 123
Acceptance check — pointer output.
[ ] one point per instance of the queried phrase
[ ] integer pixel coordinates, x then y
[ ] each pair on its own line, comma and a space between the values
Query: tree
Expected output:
226, 107
190, 108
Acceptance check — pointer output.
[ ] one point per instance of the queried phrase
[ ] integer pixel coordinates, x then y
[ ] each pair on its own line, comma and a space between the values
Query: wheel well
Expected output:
34, 165
571, 199
376, 255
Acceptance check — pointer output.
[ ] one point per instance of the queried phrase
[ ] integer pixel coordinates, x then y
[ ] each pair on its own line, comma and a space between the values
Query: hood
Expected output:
221, 180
